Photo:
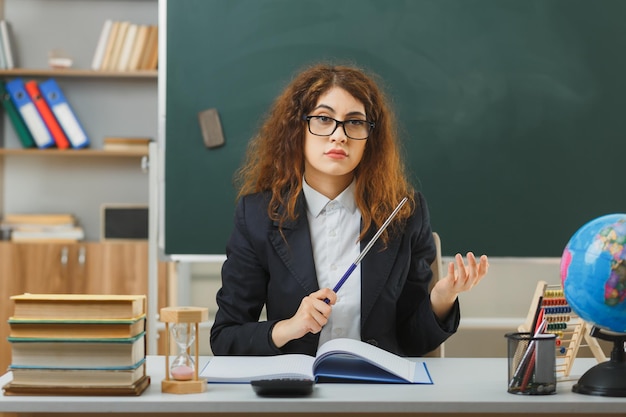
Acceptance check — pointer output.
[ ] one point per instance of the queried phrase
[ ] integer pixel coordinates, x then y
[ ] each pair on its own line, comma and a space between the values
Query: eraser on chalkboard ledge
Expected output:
211, 128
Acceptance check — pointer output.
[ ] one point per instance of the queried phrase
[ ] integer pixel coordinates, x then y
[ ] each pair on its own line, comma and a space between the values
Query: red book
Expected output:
46, 114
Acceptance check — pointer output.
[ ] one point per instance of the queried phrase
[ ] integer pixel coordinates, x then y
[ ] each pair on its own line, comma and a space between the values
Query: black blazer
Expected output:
265, 268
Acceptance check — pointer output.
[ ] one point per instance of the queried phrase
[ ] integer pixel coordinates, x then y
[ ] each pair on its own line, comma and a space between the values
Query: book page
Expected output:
404, 368
249, 368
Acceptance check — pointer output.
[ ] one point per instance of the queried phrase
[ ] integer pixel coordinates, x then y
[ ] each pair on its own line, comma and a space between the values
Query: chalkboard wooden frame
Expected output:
510, 111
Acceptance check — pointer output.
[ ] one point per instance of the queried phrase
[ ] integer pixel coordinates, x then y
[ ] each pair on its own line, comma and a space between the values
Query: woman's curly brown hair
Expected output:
275, 156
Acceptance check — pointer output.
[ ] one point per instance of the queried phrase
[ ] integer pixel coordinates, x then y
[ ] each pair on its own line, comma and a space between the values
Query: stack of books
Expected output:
77, 344
126, 46
41, 115
61, 228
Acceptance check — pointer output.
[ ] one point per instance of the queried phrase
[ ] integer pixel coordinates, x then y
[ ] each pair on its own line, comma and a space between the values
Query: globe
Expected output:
593, 272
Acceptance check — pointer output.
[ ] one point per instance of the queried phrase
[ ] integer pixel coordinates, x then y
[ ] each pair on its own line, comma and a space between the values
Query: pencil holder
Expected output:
531, 363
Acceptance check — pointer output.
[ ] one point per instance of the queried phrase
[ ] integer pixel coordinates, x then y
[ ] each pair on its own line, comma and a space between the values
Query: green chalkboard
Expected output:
512, 112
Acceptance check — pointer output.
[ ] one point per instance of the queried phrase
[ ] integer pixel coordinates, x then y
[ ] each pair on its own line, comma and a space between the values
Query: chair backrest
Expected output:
437, 268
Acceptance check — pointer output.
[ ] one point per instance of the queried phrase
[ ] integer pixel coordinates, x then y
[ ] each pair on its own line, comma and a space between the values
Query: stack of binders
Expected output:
76, 344
41, 115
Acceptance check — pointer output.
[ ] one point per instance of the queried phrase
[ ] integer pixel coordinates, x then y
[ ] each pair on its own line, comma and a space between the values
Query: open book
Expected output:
338, 360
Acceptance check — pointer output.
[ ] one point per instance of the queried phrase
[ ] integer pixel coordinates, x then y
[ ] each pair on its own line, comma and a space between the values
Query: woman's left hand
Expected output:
461, 277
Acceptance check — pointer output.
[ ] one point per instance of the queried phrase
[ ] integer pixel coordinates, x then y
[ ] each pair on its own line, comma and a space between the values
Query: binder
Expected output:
16, 120
29, 113
46, 114
66, 117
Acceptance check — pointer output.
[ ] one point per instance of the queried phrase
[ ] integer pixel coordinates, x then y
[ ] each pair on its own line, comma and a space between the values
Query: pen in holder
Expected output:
531, 363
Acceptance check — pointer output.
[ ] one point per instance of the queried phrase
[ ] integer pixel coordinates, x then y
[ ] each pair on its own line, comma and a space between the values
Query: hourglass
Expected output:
181, 324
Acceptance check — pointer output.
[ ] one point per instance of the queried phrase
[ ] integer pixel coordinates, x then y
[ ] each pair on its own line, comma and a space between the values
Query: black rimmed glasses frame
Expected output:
370, 126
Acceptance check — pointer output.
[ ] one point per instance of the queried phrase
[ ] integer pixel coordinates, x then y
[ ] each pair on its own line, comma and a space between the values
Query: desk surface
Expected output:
476, 385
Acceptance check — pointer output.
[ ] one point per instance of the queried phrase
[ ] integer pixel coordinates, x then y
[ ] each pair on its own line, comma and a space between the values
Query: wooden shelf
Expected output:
77, 73
74, 153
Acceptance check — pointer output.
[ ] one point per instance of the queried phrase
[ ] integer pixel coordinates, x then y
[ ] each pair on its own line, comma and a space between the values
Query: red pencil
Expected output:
541, 324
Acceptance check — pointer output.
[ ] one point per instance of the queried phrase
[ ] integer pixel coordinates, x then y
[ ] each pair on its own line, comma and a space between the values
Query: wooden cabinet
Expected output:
81, 267
44, 267
84, 267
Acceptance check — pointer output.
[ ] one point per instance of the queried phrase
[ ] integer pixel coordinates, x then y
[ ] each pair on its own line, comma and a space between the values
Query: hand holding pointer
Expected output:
310, 317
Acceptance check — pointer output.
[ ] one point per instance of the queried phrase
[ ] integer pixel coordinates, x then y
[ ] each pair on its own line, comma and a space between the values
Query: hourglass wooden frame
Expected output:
191, 316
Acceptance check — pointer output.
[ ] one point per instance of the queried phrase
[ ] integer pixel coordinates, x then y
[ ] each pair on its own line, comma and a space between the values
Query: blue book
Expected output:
33, 120
64, 114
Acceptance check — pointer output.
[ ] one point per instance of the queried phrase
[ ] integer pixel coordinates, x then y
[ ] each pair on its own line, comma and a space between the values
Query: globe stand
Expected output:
607, 378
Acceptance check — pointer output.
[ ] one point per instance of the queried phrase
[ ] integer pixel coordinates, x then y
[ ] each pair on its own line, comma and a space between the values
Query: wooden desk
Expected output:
474, 386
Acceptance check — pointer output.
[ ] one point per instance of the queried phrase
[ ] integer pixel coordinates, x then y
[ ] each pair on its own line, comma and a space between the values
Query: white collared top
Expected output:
335, 226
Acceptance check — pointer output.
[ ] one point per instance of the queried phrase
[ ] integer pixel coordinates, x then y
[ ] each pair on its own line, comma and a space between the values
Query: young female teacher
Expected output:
321, 176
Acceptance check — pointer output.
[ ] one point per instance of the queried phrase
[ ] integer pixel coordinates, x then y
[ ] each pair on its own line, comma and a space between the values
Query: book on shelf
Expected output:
76, 328
61, 353
16, 119
53, 95
7, 48
138, 47
117, 46
126, 143
153, 60
98, 55
48, 234
108, 49
3, 59
127, 47
36, 228
338, 360
136, 388
77, 377
61, 141
29, 113
42, 219
150, 53
40, 227
78, 306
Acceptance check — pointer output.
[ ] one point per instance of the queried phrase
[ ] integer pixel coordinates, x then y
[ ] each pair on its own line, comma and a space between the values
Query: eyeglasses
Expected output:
326, 126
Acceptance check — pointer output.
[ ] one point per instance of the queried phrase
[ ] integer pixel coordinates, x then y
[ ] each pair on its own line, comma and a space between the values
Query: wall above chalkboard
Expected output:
511, 112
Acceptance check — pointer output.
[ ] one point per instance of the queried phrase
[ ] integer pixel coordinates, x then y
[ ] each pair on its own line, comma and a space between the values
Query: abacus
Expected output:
561, 320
